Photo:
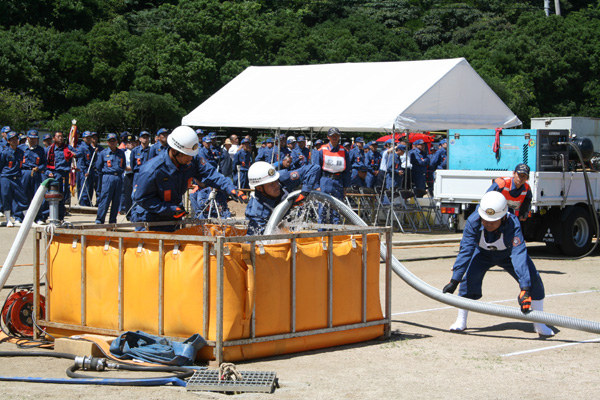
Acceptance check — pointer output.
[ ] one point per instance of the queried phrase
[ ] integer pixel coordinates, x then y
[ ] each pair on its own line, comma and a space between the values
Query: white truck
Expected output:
564, 208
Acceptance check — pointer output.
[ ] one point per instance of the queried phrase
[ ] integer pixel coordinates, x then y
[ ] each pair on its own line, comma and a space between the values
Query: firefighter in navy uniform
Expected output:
110, 165
13, 195
58, 167
419, 161
516, 190
300, 153
241, 163
271, 187
492, 236
84, 153
163, 180
335, 177
34, 164
140, 154
373, 160
357, 156
161, 143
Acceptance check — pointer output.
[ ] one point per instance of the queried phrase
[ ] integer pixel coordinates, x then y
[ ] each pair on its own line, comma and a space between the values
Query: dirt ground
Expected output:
495, 358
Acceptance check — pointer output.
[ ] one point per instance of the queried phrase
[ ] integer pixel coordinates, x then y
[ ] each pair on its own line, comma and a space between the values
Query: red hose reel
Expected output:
17, 313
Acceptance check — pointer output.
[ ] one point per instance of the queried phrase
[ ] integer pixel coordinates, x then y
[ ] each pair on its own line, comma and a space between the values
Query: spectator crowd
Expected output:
144, 176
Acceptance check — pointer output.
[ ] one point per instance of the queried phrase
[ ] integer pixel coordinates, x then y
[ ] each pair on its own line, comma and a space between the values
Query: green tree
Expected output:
20, 110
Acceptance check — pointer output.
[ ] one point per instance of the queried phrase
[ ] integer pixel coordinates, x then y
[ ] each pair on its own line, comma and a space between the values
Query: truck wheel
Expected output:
577, 236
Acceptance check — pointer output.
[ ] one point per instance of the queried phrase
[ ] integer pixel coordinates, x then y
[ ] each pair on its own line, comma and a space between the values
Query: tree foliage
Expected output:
129, 64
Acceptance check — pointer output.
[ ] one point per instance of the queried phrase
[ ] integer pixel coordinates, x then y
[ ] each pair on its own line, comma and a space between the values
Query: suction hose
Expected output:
426, 289
13, 254
99, 365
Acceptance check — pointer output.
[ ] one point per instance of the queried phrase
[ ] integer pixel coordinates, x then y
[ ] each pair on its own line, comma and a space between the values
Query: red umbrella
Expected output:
388, 137
426, 137
412, 136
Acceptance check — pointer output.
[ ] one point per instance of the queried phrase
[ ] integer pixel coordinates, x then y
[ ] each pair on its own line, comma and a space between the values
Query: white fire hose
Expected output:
461, 302
30, 215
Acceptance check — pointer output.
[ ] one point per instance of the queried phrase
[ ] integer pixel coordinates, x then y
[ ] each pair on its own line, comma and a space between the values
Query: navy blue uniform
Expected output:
394, 165
156, 149
138, 157
373, 161
243, 159
32, 158
480, 250
438, 159
300, 157
419, 164
58, 167
210, 156
335, 176
357, 160
160, 187
357, 181
13, 194
110, 165
85, 184
260, 207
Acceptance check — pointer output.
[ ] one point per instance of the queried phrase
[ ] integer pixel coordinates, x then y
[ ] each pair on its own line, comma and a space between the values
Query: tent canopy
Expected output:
358, 97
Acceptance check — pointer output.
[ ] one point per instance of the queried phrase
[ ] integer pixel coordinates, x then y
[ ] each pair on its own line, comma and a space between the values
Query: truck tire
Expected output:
577, 234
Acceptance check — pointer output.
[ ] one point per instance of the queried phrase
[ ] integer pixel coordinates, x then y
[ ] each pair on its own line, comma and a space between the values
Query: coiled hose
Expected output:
461, 302
80, 379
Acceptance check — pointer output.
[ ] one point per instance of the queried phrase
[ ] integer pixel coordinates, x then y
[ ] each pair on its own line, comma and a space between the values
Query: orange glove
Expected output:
238, 196
179, 213
525, 301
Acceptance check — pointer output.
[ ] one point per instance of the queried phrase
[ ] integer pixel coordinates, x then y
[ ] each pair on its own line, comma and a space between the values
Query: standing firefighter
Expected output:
492, 236
516, 190
335, 178
163, 180
110, 165
13, 195
34, 164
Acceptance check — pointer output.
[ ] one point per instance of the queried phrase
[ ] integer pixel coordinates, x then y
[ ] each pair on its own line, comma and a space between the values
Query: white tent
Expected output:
364, 97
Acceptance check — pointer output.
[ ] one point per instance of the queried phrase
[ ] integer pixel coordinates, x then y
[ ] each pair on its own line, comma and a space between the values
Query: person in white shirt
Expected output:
235, 145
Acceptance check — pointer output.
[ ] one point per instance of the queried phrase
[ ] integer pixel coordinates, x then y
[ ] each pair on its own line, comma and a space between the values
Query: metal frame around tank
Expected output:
220, 250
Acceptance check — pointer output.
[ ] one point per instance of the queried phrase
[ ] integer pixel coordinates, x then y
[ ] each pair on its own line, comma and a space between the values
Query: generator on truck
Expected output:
564, 182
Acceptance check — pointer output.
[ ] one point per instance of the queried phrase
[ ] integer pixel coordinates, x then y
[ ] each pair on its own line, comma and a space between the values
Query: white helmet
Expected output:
184, 139
493, 206
260, 173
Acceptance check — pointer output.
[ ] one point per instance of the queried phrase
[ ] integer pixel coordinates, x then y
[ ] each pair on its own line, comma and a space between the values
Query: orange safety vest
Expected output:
334, 161
513, 202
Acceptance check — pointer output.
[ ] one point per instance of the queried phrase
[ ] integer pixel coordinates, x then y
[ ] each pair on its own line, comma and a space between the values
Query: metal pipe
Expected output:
205, 288
220, 293
293, 287
36, 281
83, 281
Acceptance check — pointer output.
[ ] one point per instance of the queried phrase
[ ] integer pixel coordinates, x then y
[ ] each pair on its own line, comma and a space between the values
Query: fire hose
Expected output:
99, 364
460, 302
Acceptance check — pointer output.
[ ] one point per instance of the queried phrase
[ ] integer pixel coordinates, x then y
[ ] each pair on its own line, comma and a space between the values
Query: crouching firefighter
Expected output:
271, 187
492, 236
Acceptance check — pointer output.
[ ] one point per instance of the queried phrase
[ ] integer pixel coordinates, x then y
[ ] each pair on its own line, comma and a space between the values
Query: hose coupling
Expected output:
89, 363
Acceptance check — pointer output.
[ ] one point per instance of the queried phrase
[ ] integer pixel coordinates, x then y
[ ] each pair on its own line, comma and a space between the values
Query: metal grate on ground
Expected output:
252, 381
